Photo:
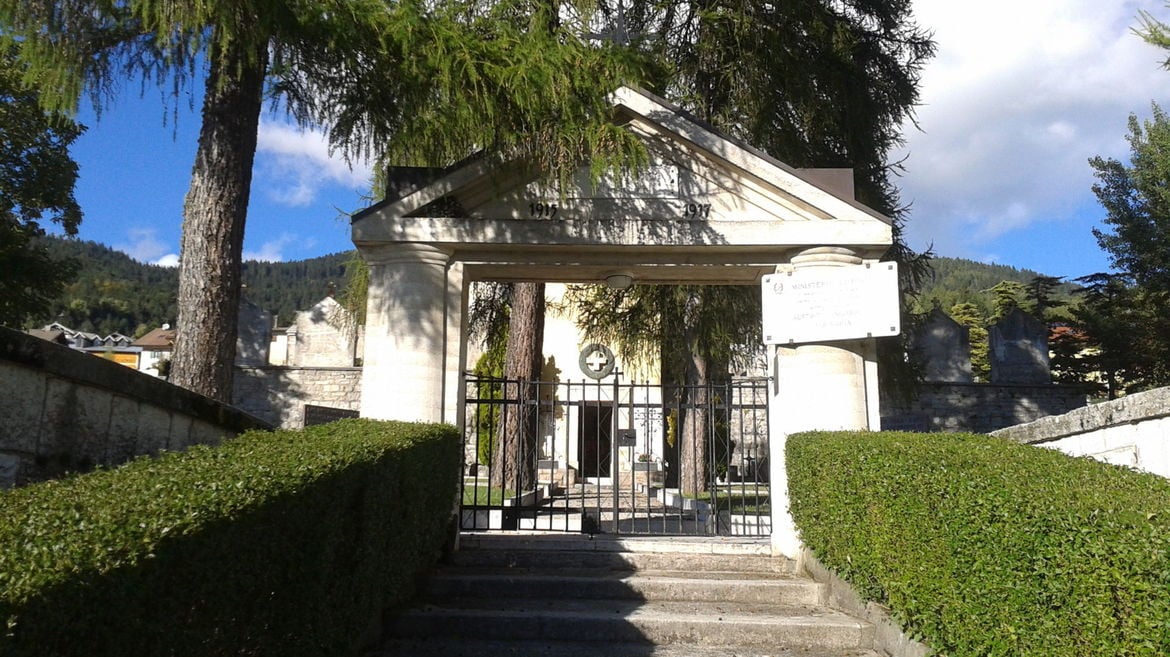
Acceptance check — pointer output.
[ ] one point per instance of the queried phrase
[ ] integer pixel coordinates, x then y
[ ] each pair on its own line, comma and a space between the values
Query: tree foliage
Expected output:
957, 280
696, 334
1126, 316
114, 293
1154, 32
812, 83
1136, 198
1121, 328
37, 177
1007, 296
433, 81
969, 315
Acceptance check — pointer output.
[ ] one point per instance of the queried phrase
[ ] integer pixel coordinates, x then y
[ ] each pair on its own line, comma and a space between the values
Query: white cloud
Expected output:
1020, 96
293, 165
273, 250
145, 246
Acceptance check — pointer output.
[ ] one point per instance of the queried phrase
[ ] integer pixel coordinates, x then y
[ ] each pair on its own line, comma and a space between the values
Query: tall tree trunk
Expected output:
514, 463
213, 224
693, 446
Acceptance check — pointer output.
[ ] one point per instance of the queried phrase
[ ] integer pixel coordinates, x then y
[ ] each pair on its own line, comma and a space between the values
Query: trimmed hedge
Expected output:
982, 547
284, 543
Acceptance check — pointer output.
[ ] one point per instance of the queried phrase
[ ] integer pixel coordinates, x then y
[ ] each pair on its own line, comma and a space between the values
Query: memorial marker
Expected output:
819, 304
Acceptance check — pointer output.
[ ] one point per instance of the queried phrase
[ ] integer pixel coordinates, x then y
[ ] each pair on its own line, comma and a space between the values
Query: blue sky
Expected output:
1018, 99
136, 160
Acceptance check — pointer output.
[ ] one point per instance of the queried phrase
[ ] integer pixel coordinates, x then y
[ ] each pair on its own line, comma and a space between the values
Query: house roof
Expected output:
51, 335
158, 339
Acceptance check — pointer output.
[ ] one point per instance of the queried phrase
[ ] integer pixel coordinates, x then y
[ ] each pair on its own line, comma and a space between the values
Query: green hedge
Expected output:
284, 543
984, 547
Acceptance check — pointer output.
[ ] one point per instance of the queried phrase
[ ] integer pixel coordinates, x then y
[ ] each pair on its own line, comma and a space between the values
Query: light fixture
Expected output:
619, 280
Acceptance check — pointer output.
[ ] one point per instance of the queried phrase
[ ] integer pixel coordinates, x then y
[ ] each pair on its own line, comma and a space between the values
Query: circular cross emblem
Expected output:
596, 361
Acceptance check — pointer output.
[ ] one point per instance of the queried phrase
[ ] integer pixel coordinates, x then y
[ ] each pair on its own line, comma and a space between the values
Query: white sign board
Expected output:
820, 304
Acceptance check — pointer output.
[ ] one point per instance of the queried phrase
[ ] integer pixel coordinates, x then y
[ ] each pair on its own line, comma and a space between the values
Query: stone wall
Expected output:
63, 410
1133, 431
979, 407
279, 394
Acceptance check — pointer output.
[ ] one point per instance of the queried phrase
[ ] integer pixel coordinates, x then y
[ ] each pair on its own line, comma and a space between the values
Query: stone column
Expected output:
404, 367
814, 386
455, 383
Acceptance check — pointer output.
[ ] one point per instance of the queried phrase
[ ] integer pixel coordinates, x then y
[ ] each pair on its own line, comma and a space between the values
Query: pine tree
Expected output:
1136, 198
433, 82
1006, 296
1042, 300
969, 315
812, 83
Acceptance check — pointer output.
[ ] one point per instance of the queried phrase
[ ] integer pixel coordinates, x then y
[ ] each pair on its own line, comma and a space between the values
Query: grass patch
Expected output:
477, 494
739, 500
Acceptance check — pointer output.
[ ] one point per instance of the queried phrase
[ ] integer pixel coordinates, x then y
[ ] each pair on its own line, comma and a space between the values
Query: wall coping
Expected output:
1130, 409
266, 368
988, 384
87, 369
889, 638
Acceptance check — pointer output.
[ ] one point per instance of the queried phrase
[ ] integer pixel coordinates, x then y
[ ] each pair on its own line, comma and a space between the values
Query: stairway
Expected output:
568, 596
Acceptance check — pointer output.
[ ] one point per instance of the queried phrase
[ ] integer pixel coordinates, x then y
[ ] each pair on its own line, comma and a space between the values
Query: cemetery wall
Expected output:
63, 410
279, 394
979, 407
1132, 431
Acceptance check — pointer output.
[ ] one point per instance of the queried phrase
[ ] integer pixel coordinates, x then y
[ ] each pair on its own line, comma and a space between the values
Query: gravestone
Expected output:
325, 336
1018, 349
254, 335
943, 347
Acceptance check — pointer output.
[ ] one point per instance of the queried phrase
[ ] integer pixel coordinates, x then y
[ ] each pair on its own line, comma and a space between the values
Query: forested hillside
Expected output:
956, 281
114, 293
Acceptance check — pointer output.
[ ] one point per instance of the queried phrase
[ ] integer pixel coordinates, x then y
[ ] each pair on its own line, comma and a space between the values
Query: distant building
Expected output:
115, 346
55, 336
156, 347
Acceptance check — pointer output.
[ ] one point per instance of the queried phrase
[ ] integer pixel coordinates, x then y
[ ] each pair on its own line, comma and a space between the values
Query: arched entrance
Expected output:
708, 210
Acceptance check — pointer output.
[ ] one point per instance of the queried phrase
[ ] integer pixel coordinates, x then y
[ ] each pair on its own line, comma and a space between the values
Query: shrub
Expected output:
285, 543
984, 547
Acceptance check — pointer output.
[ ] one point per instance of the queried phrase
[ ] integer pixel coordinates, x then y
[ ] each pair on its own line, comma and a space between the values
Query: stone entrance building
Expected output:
707, 210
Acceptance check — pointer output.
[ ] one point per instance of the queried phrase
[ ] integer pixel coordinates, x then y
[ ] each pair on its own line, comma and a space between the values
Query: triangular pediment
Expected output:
700, 189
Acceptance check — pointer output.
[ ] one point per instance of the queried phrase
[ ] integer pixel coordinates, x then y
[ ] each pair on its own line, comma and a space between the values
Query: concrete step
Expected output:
625, 561
495, 541
674, 554
442, 647
557, 595
777, 588
661, 623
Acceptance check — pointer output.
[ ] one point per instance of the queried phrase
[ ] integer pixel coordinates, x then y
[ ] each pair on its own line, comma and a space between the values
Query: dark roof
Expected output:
52, 335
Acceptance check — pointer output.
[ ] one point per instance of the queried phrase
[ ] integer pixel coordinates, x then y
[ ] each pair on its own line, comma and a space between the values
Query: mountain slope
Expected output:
115, 293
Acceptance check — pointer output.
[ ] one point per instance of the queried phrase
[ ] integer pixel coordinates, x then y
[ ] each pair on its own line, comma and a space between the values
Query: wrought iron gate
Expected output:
616, 457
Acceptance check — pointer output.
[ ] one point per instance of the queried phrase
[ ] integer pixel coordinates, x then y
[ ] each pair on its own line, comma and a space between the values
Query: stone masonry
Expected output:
279, 394
63, 410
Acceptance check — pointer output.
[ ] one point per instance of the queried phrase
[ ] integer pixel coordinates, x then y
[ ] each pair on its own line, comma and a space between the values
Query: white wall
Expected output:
1133, 431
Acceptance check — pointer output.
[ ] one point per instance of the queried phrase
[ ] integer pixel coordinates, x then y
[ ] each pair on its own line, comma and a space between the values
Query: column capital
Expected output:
404, 252
826, 256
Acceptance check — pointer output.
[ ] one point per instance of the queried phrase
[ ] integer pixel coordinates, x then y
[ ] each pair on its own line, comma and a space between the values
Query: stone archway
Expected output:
707, 210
